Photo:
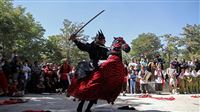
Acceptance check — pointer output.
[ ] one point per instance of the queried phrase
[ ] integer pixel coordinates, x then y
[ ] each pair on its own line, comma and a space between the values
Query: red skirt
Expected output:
104, 83
3, 81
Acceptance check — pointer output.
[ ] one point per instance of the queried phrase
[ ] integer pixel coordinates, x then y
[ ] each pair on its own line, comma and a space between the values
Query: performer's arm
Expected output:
82, 46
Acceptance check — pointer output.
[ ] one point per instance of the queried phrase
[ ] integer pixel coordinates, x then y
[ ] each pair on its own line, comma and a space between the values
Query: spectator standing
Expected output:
171, 72
188, 80
26, 70
132, 77
64, 75
3, 79
159, 79
36, 75
143, 81
124, 86
151, 68
197, 64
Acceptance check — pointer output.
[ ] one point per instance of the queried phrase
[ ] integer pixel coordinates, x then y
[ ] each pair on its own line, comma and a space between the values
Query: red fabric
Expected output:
104, 83
63, 76
158, 98
13, 101
195, 96
144, 96
65, 68
163, 83
125, 79
3, 81
48, 71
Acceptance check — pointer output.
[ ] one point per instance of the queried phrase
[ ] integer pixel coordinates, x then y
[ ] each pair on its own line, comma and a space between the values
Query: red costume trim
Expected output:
104, 83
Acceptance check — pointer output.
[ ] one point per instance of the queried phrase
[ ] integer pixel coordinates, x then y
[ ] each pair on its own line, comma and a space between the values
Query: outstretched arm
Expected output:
82, 46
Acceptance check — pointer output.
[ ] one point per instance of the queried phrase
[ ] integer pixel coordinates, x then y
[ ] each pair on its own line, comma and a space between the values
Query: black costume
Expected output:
96, 52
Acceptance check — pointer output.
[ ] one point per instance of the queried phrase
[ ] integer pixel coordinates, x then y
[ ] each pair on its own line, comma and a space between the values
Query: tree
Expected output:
191, 40
170, 48
6, 25
19, 31
70, 51
145, 44
52, 49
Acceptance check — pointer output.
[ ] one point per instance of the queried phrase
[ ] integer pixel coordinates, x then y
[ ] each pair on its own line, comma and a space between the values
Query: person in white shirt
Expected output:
26, 70
133, 62
187, 72
143, 81
171, 72
194, 73
158, 79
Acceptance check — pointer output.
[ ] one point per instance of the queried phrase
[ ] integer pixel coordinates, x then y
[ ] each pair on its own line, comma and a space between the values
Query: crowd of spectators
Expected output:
18, 76
180, 77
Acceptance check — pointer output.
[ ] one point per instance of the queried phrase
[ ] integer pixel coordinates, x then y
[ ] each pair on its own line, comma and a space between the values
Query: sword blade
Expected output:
88, 22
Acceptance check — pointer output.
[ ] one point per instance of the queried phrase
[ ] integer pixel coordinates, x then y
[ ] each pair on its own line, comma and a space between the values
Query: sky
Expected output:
125, 18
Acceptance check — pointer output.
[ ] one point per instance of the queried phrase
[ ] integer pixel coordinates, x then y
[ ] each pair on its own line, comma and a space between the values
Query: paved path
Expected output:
60, 103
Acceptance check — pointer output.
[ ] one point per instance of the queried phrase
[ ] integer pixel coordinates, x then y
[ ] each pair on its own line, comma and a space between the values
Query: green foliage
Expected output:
19, 32
170, 49
191, 41
69, 49
145, 44
53, 49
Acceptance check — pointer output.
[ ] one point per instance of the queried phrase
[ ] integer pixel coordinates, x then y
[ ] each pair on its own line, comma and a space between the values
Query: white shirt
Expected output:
158, 73
187, 73
171, 72
194, 73
132, 64
26, 70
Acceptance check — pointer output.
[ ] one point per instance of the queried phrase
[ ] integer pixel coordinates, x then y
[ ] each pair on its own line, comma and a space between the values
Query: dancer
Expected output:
97, 51
108, 78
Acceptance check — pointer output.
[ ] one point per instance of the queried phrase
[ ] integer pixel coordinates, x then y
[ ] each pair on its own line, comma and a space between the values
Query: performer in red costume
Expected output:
3, 79
64, 72
97, 51
106, 82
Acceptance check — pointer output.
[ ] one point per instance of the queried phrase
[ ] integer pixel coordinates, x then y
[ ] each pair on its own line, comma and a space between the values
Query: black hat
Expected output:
100, 35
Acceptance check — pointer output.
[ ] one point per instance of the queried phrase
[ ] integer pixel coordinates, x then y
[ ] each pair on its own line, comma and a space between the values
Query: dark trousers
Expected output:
64, 84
